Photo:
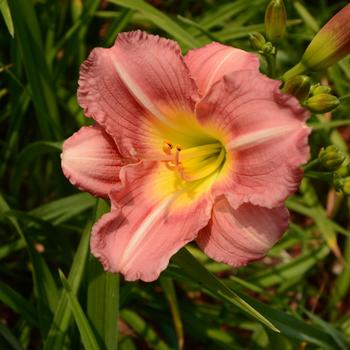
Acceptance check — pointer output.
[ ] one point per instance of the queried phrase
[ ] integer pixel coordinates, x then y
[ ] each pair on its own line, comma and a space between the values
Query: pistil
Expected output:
197, 162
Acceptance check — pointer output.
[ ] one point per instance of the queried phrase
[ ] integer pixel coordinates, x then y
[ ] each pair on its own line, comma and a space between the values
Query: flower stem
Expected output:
311, 164
299, 68
345, 97
271, 64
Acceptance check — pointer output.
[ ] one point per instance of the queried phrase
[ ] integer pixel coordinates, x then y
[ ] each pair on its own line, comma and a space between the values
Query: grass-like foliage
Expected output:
54, 295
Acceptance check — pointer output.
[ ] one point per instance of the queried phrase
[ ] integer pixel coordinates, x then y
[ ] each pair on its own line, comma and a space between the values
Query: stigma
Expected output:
195, 163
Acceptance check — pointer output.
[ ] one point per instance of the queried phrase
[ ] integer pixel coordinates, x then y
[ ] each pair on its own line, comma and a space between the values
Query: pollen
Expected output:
194, 163
167, 147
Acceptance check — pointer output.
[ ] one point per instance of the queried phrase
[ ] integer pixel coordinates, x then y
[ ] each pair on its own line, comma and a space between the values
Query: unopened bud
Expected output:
268, 49
320, 89
343, 171
298, 86
331, 158
257, 40
322, 103
275, 20
346, 186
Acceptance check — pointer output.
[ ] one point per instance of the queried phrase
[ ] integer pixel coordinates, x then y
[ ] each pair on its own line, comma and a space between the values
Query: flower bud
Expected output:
257, 40
331, 158
329, 45
346, 186
322, 103
298, 86
320, 89
275, 20
343, 171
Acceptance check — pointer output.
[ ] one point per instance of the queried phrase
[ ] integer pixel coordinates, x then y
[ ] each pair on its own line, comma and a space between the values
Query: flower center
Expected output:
195, 163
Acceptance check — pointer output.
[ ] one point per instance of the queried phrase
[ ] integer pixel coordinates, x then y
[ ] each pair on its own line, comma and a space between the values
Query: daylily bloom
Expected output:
201, 147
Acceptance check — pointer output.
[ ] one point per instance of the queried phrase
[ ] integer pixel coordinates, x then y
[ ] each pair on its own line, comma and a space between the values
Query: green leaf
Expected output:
291, 326
44, 283
295, 268
168, 287
60, 323
17, 303
143, 329
4, 8
28, 36
63, 209
337, 336
201, 275
9, 337
9, 248
103, 297
86, 333
160, 20
28, 155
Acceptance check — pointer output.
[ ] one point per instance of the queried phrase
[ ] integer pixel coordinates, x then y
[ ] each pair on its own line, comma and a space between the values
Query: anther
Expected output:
167, 147
177, 155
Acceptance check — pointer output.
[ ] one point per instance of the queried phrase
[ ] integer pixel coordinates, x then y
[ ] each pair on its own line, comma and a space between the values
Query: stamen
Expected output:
177, 156
200, 151
167, 147
194, 163
209, 168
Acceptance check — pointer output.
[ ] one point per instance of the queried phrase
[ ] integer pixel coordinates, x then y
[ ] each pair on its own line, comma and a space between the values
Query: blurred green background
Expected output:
302, 286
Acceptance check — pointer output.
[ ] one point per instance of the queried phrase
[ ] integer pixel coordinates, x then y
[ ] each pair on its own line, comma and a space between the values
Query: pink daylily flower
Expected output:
201, 147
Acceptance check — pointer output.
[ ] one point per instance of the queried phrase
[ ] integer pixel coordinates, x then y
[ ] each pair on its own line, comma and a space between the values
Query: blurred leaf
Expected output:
45, 286
9, 337
160, 20
60, 323
296, 268
17, 303
28, 155
64, 208
337, 336
86, 333
201, 275
143, 329
28, 35
168, 287
9, 248
103, 296
4, 8
292, 327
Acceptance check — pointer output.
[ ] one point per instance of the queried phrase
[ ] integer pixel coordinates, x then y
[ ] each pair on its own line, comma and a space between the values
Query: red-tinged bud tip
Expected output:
331, 43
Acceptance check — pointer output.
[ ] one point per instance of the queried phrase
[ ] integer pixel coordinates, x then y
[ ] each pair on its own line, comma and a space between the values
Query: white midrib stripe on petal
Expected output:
212, 76
146, 225
136, 91
258, 137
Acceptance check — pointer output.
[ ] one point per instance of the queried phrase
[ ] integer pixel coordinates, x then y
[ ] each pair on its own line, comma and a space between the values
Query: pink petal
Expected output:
210, 63
132, 86
264, 135
148, 224
238, 236
91, 160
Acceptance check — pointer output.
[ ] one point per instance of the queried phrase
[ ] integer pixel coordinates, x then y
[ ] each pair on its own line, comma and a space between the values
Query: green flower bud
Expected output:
322, 103
343, 171
298, 86
329, 45
257, 40
320, 89
275, 20
331, 158
268, 49
346, 186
